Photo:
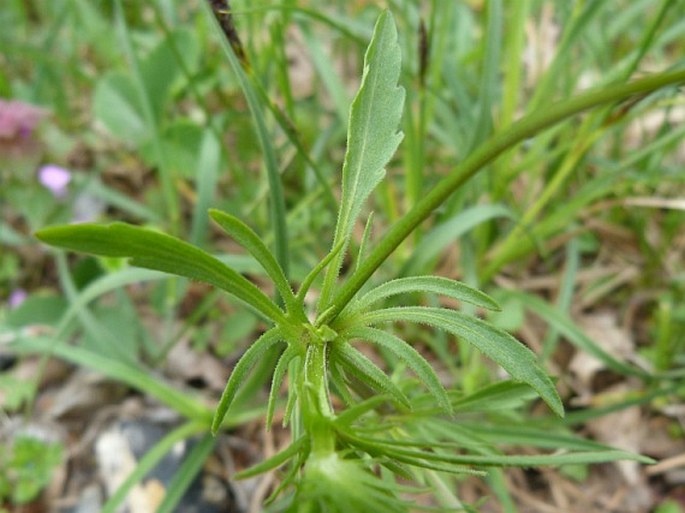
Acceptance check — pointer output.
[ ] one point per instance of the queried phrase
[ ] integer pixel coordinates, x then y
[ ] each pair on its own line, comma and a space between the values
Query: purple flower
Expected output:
55, 179
19, 119
17, 297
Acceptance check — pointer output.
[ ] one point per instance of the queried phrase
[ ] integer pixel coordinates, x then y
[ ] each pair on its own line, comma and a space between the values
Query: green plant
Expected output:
385, 422
27, 464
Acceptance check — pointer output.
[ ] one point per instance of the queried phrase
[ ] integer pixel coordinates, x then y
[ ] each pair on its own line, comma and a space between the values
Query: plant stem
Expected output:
484, 154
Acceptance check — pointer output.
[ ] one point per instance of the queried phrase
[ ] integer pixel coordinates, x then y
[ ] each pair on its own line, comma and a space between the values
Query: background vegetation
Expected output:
577, 232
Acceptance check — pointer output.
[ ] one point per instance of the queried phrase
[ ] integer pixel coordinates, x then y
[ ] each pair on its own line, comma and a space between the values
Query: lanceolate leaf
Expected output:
356, 363
247, 238
277, 380
519, 361
154, 250
246, 362
373, 134
309, 279
437, 455
275, 461
408, 354
432, 284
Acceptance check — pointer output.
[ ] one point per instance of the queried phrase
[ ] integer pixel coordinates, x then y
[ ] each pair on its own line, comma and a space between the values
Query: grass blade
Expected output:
444, 234
149, 461
566, 327
134, 377
277, 203
207, 177
183, 478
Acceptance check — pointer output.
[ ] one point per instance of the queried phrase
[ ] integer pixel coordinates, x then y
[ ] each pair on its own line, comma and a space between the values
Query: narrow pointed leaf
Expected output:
337, 378
373, 135
275, 461
519, 361
411, 356
366, 236
354, 361
345, 418
246, 237
246, 362
432, 284
448, 232
154, 250
277, 381
515, 460
309, 279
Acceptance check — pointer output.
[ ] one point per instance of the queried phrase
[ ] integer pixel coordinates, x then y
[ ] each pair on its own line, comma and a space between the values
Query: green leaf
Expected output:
500, 396
411, 356
208, 165
548, 437
364, 369
337, 380
519, 361
345, 418
373, 135
366, 236
160, 69
154, 250
246, 362
309, 279
277, 379
247, 238
581, 457
185, 475
275, 461
441, 236
421, 284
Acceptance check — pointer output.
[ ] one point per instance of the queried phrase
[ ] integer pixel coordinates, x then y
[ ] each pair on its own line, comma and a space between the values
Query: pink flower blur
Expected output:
17, 297
18, 119
55, 178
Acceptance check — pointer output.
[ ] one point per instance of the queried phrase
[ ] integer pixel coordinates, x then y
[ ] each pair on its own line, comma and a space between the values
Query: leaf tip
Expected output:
215, 213
216, 423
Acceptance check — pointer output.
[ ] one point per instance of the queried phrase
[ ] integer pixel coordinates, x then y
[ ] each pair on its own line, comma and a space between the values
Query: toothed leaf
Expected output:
373, 135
